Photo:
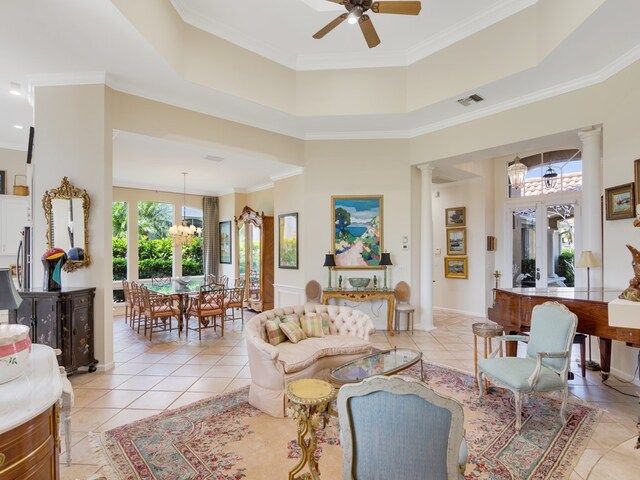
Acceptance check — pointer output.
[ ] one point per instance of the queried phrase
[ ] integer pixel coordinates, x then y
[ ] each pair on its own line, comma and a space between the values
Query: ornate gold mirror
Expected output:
66, 210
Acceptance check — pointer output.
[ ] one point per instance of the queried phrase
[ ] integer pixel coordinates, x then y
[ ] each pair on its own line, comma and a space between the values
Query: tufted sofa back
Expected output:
342, 320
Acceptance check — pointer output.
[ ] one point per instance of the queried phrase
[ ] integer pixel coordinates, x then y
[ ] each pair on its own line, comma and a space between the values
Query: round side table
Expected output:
486, 331
309, 401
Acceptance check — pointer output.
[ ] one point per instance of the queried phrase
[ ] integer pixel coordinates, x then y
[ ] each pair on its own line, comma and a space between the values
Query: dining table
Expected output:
180, 290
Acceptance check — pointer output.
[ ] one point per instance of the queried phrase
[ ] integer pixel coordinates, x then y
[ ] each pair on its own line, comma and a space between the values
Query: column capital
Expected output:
588, 133
426, 167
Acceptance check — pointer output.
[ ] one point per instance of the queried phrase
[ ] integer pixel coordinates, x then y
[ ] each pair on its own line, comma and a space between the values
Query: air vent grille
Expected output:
470, 100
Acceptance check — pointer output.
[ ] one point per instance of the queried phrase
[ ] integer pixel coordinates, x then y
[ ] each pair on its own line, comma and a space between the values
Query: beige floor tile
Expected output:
244, 373
87, 419
191, 371
211, 385
575, 476
129, 368
139, 382
217, 350
438, 355
238, 351
588, 459
75, 472
237, 360
237, 383
175, 384
81, 453
106, 381
161, 369
205, 360
75, 438
126, 416
189, 397
150, 358
155, 400
176, 358
124, 357
610, 435
623, 462
226, 371
84, 396
117, 398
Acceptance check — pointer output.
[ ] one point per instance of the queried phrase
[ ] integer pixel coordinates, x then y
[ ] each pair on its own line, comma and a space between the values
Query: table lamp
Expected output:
329, 261
587, 260
9, 297
385, 261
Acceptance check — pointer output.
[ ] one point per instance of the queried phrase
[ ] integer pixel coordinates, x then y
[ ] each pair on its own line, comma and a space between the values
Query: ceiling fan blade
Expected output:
341, 2
400, 8
369, 32
330, 26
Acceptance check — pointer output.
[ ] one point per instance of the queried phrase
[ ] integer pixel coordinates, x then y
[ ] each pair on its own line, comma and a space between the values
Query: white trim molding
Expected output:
288, 295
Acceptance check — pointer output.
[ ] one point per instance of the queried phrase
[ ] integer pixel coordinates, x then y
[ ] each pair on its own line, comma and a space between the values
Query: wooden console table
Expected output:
365, 296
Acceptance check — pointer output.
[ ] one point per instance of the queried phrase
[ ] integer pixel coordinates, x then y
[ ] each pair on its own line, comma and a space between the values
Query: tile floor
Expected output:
169, 372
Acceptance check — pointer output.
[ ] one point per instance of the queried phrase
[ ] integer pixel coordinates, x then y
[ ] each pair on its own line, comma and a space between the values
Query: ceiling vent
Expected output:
213, 158
470, 100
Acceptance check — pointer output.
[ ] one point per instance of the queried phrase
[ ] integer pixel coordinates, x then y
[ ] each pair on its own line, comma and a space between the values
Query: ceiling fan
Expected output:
356, 13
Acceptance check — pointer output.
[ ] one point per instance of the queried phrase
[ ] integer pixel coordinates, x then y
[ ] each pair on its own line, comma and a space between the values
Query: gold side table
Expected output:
486, 331
309, 401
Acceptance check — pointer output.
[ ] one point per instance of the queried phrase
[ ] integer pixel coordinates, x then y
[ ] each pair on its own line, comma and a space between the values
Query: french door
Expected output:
543, 243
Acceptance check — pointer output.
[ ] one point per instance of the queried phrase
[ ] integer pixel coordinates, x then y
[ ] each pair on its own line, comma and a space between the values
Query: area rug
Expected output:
225, 438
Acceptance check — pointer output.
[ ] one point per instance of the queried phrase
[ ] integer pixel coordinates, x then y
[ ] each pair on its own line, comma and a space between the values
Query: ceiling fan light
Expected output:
354, 15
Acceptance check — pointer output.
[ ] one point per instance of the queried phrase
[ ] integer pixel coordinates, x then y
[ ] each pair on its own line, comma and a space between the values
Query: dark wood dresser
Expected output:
61, 320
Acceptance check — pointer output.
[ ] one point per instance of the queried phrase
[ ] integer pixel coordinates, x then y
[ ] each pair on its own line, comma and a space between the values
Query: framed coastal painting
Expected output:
225, 242
357, 230
456, 241
455, 267
455, 217
620, 202
288, 244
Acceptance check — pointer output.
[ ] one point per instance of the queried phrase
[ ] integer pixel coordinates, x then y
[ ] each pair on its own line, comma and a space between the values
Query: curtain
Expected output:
210, 236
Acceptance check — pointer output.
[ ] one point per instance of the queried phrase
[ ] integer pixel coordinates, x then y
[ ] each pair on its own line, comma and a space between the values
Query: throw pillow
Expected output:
275, 334
293, 332
325, 323
312, 325
292, 317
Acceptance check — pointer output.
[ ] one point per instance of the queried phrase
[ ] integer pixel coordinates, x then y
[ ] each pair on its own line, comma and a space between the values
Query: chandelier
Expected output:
184, 233
516, 172
551, 176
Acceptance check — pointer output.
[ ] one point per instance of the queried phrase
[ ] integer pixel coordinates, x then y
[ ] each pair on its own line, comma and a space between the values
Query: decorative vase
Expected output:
53, 261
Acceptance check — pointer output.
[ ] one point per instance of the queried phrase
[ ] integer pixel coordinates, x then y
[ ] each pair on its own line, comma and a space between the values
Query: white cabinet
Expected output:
13, 217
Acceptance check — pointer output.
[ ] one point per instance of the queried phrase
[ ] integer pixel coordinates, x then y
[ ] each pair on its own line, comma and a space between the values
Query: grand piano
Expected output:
512, 309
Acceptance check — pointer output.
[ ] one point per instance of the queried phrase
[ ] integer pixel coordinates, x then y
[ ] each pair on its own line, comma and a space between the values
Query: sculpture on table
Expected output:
53, 261
632, 292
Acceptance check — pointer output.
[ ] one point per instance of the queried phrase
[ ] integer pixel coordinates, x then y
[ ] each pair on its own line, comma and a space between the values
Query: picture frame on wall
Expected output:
457, 241
225, 241
620, 202
456, 267
3, 182
636, 177
357, 231
455, 217
288, 241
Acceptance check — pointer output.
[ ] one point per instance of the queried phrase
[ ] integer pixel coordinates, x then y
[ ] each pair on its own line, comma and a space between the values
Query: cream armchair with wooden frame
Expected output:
424, 429
546, 364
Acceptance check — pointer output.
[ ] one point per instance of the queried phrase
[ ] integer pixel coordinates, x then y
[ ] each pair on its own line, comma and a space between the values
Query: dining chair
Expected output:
234, 300
313, 291
137, 304
402, 294
424, 429
546, 364
128, 301
158, 308
160, 280
224, 280
239, 282
210, 278
206, 307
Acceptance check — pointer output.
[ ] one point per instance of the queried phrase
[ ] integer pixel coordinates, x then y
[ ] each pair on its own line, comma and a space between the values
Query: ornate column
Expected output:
591, 235
426, 249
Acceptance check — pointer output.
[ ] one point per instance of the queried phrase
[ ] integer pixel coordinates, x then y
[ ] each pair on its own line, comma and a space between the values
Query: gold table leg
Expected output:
307, 418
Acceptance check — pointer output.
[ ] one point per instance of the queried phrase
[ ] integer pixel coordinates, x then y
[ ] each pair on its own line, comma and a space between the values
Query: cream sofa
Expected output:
273, 367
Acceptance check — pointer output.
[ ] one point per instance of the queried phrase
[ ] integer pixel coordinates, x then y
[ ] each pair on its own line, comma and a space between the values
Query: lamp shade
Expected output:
587, 260
385, 261
9, 298
329, 261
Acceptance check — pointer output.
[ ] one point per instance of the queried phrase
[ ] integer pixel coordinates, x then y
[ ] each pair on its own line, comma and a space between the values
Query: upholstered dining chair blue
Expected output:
398, 427
546, 364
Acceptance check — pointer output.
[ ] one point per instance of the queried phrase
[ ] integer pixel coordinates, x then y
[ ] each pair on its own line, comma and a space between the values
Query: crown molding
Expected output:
254, 189
141, 186
291, 173
362, 135
72, 78
13, 146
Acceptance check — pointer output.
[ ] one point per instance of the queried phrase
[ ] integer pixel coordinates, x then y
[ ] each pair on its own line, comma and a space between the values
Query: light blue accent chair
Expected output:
546, 364
399, 428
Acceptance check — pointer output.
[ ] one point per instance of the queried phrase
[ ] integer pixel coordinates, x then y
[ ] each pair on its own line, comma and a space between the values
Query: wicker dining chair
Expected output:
128, 301
207, 307
234, 300
137, 311
158, 308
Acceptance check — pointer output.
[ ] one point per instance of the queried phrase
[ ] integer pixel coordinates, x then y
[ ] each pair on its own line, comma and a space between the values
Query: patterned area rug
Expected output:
225, 438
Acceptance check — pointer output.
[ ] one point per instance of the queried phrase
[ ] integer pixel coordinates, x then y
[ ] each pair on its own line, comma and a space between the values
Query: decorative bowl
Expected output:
183, 280
359, 282
15, 346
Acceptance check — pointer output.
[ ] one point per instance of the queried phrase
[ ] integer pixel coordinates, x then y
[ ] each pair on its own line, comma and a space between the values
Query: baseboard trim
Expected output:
625, 376
105, 367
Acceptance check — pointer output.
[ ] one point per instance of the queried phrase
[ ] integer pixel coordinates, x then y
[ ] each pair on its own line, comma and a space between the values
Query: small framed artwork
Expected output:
225, 241
288, 243
620, 202
456, 241
455, 217
455, 267
3, 182
636, 176
492, 244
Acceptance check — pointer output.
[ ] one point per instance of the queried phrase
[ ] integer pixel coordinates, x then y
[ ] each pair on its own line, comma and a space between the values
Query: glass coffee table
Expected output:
386, 362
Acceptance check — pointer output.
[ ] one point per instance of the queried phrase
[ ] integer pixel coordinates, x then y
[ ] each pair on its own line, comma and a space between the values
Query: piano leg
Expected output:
512, 347
605, 357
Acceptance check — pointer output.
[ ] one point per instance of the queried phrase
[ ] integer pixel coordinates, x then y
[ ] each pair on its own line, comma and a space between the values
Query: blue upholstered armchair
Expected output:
398, 428
546, 365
